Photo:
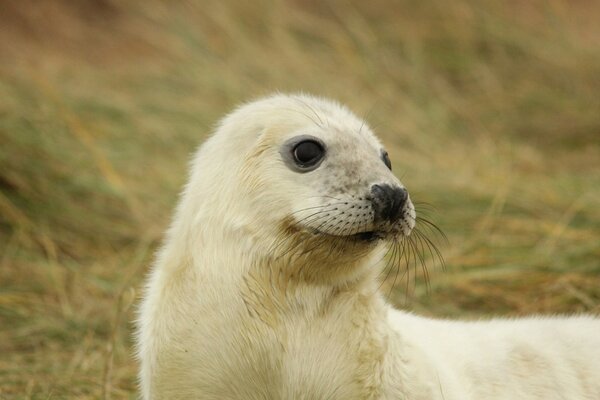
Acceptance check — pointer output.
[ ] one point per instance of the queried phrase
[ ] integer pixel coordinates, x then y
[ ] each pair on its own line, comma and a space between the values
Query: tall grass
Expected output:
490, 112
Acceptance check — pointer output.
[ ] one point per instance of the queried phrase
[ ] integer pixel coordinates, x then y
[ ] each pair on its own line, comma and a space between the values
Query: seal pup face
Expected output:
347, 188
347, 173
306, 180
336, 175
332, 179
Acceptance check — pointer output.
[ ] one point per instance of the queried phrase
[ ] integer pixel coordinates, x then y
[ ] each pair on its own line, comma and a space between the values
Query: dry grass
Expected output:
490, 111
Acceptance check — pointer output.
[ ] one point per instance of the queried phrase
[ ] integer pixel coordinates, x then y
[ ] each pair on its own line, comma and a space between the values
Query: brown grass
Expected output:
489, 112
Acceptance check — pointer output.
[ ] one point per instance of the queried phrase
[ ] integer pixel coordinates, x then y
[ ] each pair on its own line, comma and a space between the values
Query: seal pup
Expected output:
267, 287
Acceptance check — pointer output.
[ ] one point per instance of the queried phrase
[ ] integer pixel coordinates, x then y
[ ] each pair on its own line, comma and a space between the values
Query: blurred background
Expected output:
490, 112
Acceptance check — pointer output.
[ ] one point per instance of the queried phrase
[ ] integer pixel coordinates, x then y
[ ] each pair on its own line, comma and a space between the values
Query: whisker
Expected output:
305, 115
397, 264
313, 217
310, 108
319, 241
434, 226
425, 204
309, 219
324, 196
389, 264
389, 248
424, 244
433, 247
314, 207
419, 212
407, 271
421, 253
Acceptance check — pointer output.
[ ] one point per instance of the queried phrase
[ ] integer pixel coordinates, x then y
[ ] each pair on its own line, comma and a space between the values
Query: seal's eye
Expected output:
386, 159
303, 153
307, 153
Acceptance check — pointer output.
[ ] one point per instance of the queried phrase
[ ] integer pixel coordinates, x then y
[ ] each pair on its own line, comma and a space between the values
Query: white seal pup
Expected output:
267, 284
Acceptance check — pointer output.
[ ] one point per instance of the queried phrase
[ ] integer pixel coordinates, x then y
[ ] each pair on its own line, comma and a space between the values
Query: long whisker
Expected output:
407, 271
418, 242
424, 204
314, 207
320, 125
424, 244
319, 241
397, 265
387, 252
308, 219
433, 226
389, 265
434, 248
324, 197
310, 108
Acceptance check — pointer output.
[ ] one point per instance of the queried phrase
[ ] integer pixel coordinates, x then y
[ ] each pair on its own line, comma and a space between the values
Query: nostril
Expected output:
388, 201
402, 196
377, 191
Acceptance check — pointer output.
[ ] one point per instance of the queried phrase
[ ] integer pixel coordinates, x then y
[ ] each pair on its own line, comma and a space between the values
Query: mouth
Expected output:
363, 237
369, 236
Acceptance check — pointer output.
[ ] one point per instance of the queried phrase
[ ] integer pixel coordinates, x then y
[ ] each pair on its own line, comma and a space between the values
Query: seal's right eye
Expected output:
303, 153
308, 153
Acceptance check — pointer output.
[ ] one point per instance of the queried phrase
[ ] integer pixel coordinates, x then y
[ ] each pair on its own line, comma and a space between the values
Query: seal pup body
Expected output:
266, 286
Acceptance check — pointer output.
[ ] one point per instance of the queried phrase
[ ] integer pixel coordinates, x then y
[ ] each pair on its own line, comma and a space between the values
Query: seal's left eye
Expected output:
386, 159
307, 153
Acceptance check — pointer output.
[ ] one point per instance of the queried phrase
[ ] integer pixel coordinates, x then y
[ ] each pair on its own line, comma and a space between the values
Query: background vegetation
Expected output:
490, 111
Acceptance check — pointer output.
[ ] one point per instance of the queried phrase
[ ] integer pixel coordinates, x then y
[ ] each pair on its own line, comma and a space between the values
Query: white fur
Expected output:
228, 314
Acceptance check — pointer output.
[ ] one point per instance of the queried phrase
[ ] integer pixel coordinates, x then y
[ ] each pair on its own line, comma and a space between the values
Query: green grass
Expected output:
489, 112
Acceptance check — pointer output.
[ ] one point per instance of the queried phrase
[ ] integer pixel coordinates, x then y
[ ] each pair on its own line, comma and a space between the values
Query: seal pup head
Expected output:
303, 181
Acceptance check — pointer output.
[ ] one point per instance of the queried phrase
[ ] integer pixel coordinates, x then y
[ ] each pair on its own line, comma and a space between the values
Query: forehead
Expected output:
353, 151
334, 124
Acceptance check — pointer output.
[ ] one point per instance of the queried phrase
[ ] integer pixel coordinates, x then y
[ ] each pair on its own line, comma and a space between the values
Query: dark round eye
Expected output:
386, 159
307, 153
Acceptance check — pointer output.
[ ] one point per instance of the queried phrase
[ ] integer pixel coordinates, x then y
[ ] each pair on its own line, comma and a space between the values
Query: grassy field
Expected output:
490, 112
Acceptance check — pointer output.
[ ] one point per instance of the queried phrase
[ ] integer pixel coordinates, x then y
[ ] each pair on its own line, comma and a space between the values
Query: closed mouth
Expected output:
365, 237
369, 236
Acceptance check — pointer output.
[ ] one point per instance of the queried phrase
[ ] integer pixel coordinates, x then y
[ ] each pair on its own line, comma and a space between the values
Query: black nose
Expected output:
388, 201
